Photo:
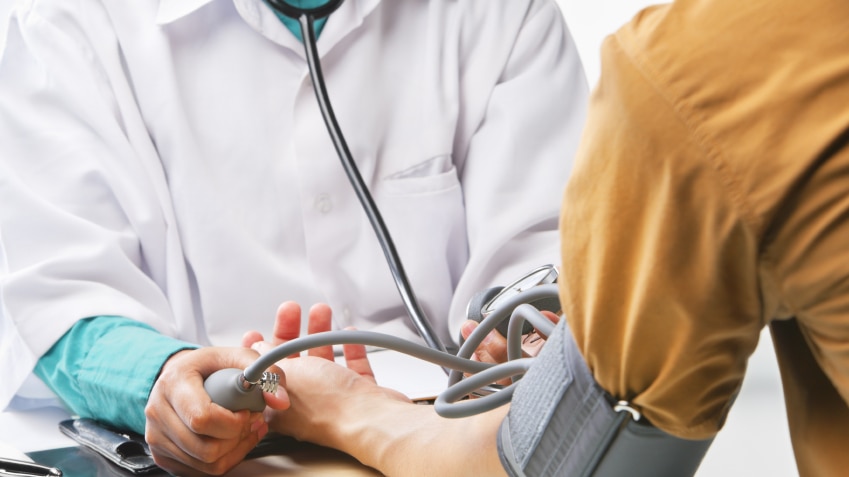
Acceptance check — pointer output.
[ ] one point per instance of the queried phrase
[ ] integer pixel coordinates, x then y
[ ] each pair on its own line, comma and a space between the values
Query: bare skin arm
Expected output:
345, 409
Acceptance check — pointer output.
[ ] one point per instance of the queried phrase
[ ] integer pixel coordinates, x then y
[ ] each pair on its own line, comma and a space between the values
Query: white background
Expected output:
755, 440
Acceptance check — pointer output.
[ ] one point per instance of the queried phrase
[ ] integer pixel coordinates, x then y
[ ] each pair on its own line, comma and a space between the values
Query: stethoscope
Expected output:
306, 17
237, 389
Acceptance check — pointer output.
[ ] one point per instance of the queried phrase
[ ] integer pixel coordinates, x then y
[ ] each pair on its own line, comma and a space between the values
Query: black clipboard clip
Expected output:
131, 454
128, 451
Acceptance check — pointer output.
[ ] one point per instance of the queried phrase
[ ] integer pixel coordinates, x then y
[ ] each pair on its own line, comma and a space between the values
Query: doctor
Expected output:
166, 181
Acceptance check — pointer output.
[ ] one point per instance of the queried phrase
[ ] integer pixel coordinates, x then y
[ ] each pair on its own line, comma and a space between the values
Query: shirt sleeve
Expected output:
708, 200
660, 273
104, 368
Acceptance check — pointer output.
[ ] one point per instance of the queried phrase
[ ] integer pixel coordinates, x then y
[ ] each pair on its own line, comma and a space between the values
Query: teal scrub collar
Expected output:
293, 24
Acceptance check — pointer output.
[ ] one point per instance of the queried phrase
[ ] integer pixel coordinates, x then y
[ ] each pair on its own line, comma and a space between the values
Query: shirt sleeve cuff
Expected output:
105, 367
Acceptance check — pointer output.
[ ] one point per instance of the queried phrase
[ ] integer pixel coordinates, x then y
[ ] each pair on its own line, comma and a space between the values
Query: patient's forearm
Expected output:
411, 440
339, 408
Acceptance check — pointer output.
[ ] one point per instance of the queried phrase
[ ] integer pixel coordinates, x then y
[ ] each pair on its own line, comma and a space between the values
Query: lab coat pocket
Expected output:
423, 209
429, 176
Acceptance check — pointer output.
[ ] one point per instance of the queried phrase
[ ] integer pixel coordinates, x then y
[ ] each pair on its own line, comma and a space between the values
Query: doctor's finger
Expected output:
179, 393
201, 436
168, 434
553, 317
189, 423
184, 425
215, 456
320, 320
533, 342
493, 348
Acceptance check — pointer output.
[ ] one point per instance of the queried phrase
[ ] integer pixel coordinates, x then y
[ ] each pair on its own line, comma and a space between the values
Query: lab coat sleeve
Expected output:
80, 212
518, 159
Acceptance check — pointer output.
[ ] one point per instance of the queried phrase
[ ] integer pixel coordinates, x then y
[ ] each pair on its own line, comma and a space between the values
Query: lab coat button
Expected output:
323, 203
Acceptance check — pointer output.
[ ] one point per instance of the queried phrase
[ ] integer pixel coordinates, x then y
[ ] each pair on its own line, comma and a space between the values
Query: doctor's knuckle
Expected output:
151, 412
198, 421
209, 453
154, 442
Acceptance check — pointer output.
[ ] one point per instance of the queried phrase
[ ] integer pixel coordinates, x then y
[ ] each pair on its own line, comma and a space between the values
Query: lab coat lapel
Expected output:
170, 10
342, 22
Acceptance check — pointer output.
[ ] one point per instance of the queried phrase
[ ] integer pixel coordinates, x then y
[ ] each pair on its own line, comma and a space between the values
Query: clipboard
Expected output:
275, 455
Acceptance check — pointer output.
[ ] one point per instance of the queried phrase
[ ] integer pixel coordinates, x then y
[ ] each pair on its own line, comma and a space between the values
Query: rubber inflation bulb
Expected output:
225, 388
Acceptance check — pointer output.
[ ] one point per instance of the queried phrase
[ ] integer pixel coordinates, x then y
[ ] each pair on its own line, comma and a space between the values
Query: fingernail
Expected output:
467, 328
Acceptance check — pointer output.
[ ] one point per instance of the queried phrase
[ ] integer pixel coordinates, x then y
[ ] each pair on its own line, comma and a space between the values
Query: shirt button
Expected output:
323, 203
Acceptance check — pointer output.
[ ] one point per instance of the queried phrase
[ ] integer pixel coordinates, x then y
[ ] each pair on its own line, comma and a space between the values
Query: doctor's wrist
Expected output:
170, 359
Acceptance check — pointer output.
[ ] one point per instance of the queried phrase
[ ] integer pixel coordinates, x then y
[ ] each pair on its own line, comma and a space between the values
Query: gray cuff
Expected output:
560, 419
561, 422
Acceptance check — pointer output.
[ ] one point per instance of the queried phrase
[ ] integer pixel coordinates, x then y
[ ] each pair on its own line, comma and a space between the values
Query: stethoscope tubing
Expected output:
254, 372
449, 403
305, 18
514, 307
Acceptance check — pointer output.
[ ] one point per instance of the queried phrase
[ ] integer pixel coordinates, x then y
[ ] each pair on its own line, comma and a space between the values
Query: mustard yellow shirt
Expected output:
711, 199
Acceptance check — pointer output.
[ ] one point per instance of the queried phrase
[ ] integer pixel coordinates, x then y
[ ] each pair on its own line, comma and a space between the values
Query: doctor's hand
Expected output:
493, 349
190, 435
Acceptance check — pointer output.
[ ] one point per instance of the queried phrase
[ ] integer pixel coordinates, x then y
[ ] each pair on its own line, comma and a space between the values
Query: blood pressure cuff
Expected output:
561, 422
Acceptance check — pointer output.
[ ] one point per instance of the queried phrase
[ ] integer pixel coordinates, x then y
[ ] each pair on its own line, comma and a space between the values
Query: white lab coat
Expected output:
167, 162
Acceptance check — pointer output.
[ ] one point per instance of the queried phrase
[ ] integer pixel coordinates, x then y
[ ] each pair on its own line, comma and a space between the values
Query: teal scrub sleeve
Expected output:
104, 368
294, 26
